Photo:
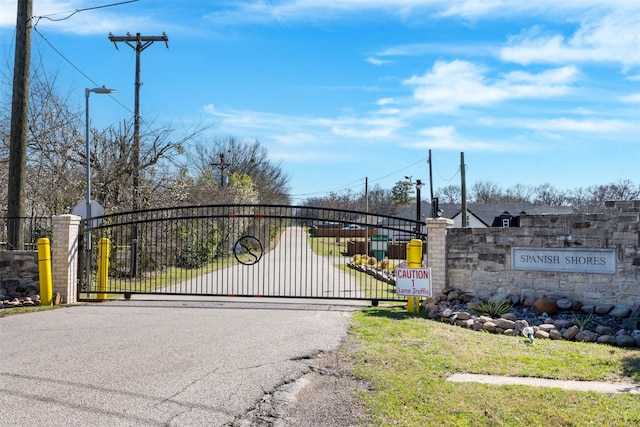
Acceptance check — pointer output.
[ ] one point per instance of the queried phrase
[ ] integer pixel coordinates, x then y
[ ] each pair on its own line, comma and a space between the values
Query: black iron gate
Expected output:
247, 250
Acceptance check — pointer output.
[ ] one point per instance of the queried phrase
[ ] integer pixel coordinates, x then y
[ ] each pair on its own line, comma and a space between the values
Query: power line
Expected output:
358, 182
76, 67
79, 10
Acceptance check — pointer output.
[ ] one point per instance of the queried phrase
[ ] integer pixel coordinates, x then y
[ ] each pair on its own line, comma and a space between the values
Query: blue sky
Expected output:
532, 92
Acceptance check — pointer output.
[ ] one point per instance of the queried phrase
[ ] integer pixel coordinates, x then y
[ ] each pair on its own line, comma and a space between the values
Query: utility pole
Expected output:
419, 185
463, 188
222, 165
18, 137
137, 43
433, 205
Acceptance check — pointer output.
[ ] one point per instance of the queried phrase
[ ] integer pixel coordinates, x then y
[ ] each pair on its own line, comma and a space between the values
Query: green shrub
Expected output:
491, 308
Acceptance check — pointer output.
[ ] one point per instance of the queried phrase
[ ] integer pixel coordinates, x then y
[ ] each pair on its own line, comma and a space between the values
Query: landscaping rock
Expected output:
586, 336
562, 323
555, 334
571, 333
604, 330
632, 323
564, 303
607, 339
625, 341
545, 305
489, 326
505, 324
463, 315
589, 309
620, 312
547, 327
541, 334
519, 325
452, 296
603, 309
510, 316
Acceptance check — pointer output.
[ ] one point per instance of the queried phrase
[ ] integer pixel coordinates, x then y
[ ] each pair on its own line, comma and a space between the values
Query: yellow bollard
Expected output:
414, 260
104, 249
44, 269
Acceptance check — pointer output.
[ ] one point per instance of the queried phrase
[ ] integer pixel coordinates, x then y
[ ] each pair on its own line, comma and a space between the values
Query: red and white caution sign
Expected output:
413, 282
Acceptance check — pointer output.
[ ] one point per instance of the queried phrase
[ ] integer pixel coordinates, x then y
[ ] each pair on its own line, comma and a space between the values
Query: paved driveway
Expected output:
158, 363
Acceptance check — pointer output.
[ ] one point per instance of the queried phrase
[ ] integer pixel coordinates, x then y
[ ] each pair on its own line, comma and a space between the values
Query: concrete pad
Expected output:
597, 386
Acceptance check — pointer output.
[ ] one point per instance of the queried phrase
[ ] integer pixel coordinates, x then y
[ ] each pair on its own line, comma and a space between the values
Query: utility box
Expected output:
379, 245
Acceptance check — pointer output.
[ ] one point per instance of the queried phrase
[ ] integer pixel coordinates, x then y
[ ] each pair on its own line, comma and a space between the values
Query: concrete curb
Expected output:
597, 386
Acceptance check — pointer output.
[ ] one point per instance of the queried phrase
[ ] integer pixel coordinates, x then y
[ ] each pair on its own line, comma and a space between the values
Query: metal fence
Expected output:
248, 250
34, 227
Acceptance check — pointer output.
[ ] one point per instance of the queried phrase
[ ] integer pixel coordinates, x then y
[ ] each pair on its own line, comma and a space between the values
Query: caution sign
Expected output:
413, 282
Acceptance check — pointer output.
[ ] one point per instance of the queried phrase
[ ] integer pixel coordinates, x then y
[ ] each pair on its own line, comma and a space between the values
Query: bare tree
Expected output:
519, 193
113, 164
548, 195
381, 201
486, 192
624, 189
449, 194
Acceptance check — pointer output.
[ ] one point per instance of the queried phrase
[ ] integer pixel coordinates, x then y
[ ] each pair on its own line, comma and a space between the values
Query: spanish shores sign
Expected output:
568, 260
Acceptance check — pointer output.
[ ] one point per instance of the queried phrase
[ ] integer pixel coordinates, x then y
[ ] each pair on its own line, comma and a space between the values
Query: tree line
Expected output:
403, 194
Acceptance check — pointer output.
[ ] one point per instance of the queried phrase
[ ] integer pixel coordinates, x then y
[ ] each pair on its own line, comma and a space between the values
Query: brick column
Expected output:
64, 256
437, 252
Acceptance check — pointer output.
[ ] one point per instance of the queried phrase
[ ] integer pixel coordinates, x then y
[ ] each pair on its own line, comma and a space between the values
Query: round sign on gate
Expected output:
248, 250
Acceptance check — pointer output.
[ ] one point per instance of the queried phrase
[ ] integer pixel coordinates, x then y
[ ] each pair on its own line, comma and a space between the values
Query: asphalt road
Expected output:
159, 363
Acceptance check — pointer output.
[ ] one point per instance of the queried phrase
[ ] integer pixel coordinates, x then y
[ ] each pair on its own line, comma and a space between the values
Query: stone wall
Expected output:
479, 260
18, 274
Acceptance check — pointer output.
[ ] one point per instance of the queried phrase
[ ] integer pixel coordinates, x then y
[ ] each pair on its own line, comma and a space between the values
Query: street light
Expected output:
87, 91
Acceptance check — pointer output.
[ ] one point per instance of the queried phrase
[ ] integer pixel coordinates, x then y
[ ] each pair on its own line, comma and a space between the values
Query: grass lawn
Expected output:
407, 359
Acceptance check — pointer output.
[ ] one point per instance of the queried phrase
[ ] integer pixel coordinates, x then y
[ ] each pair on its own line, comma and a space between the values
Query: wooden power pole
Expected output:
138, 43
19, 117
463, 190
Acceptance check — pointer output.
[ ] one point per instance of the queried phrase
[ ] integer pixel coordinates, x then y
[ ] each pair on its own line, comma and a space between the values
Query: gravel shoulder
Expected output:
327, 395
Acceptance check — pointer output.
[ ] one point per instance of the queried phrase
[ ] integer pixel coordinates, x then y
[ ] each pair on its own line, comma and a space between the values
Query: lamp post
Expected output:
87, 92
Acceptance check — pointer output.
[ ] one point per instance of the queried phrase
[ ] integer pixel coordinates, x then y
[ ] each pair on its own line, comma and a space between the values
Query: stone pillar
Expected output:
437, 252
64, 256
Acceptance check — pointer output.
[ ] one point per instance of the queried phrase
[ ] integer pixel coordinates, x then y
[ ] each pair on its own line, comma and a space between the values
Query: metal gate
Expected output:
246, 250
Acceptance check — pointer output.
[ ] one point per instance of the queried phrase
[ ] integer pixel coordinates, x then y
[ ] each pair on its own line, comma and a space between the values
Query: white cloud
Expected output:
359, 128
376, 61
612, 38
633, 98
450, 85
581, 126
447, 138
